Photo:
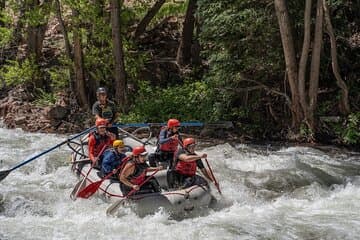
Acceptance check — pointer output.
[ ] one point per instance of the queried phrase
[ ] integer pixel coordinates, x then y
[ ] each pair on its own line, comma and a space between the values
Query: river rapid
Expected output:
269, 192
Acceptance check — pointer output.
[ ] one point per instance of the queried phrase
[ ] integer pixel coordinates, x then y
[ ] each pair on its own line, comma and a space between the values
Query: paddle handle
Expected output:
50, 149
213, 176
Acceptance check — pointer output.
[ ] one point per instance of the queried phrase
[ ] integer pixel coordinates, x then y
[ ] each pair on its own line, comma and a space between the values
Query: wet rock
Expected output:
20, 120
56, 112
63, 117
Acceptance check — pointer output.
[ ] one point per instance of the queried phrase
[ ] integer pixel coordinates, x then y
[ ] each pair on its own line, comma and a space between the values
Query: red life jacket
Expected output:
169, 146
96, 143
139, 174
186, 168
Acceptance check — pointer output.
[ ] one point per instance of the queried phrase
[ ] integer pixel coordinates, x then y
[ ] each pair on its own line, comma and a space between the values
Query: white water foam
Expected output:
35, 203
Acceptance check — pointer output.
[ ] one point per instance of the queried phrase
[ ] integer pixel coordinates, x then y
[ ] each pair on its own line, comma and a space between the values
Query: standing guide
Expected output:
104, 108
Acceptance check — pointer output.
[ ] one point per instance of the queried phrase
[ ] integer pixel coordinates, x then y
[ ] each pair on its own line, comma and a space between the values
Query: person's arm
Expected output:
190, 158
152, 169
163, 139
125, 173
96, 110
92, 148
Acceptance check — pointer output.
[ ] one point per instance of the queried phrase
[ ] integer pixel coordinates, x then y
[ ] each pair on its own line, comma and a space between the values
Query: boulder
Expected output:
20, 120
57, 112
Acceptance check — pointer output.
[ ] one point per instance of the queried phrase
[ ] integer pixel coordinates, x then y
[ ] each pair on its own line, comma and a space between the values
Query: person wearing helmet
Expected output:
113, 157
169, 138
98, 139
186, 164
104, 108
134, 174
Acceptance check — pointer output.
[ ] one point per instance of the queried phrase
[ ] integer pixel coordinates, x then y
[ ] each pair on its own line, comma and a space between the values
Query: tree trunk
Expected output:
63, 29
184, 51
36, 33
120, 74
290, 60
66, 41
344, 100
141, 27
35, 39
80, 85
315, 63
303, 59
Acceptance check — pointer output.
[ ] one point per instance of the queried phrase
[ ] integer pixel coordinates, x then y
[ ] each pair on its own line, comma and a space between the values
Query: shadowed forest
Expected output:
278, 70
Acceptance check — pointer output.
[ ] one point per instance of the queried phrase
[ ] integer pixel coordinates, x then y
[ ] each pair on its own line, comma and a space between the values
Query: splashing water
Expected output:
268, 193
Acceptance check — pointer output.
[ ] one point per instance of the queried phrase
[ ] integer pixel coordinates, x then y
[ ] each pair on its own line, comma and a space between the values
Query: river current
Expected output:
269, 192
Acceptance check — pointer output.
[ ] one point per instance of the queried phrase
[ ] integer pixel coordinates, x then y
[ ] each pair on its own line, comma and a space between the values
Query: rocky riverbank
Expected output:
18, 110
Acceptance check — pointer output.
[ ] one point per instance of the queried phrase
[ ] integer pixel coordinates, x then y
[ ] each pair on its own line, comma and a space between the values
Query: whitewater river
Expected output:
268, 193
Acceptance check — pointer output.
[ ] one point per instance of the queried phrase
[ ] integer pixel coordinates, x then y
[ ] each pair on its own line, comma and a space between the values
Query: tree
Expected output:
37, 18
68, 49
183, 57
344, 105
36, 27
290, 60
297, 80
119, 64
80, 85
141, 27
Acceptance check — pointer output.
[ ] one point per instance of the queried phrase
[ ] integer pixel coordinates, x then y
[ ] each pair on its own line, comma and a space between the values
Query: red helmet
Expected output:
101, 122
139, 151
173, 123
188, 141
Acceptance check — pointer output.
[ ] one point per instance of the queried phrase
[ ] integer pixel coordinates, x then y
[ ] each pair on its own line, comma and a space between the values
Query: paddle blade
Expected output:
114, 207
78, 187
3, 174
89, 190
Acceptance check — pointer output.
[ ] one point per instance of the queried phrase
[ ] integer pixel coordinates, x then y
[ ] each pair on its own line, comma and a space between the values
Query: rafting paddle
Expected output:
216, 183
3, 174
81, 184
93, 187
113, 208
133, 136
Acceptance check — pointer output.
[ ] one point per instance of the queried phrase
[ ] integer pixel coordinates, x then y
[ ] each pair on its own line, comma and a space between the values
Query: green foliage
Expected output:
324, 107
15, 73
134, 62
5, 32
186, 102
239, 37
171, 9
59, 77
44, 98
37, 14
351, 133
306, 132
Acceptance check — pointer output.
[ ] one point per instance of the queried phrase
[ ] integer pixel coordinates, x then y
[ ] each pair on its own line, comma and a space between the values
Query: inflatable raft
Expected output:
174, 201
